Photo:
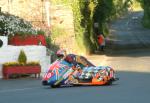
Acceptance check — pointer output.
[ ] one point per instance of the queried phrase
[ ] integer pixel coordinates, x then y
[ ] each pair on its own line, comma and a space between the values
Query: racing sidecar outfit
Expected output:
62, 73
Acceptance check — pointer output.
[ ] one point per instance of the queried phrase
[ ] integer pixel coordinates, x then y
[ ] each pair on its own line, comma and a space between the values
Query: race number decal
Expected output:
49, 75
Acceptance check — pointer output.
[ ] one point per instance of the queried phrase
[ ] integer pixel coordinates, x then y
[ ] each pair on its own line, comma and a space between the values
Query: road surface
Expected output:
133, 87
128, 33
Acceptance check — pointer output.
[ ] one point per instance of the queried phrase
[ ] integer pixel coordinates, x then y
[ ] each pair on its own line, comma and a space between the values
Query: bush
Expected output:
31, 63
22, 59
11, 64
86, 13
146, 18
41, 32
11, 25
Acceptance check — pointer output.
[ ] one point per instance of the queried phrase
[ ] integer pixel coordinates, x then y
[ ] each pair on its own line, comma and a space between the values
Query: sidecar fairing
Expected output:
57, 71
62, 73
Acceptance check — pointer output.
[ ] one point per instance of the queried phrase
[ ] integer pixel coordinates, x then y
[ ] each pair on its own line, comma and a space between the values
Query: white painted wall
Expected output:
5, 41
34, 53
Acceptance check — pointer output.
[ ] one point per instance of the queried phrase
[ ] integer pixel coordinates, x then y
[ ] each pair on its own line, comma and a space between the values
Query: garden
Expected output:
20, 31
21, 67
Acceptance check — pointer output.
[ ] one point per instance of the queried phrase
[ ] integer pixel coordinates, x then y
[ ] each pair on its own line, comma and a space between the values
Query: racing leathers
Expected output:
75, 60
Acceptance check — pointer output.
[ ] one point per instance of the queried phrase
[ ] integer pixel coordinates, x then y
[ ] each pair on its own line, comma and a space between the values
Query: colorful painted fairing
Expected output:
57, 70
62, 73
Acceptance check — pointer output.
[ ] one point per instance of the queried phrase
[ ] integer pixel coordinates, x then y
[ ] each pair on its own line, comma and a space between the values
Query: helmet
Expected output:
61, 53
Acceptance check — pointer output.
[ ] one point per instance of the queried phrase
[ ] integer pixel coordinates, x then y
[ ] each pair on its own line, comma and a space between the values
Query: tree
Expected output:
146, 18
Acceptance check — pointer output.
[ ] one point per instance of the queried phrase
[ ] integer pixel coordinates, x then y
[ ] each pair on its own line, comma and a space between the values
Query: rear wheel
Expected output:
109, 82
55, 86
85, 80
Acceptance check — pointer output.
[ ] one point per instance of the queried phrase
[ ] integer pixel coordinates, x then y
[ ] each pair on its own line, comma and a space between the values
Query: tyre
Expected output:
109, 82
55, 86
85, 80
44, 83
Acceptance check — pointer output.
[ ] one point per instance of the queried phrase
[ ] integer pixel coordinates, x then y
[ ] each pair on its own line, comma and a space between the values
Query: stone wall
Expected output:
62, 17
34, 11
31, 10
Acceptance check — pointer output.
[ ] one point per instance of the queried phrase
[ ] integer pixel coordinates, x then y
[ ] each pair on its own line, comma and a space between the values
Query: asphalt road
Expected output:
132, 87
128, 33
135, 60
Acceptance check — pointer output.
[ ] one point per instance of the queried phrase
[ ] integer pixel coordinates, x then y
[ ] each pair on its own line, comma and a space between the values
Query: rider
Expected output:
74, 59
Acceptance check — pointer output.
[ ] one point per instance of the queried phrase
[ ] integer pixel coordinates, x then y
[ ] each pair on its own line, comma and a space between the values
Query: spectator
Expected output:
101, 42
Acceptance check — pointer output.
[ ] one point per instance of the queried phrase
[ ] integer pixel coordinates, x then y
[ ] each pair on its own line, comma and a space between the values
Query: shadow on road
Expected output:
127, 53
126, 78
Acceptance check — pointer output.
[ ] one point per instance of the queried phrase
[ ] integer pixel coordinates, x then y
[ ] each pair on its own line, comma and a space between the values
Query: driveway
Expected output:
128, 45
